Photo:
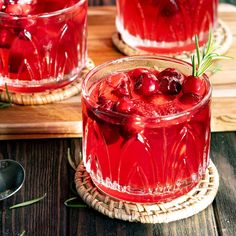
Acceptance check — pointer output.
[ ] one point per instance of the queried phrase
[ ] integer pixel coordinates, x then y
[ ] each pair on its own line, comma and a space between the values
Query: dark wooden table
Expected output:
48, 171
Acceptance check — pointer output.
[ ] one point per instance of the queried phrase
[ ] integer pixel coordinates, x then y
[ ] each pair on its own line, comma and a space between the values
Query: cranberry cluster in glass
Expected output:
149, 92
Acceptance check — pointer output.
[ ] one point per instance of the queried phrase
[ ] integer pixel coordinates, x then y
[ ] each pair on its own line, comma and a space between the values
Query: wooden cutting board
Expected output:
64, 119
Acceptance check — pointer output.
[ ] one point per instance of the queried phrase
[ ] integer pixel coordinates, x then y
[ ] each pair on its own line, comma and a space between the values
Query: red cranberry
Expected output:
131, 128
124, 106
146, 84
169, 86
135, 73
172, 73
195, 85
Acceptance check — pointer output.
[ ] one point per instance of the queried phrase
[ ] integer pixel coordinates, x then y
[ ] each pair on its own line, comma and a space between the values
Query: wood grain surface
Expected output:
64, 119
48, 171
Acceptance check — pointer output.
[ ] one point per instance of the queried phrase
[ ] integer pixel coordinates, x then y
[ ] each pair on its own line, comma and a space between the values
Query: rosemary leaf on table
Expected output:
22, 233
69, 203
27, 203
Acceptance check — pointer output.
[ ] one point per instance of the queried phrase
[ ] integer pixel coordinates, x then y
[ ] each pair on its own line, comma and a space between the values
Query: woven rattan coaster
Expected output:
48, 96
185, 206
222, 35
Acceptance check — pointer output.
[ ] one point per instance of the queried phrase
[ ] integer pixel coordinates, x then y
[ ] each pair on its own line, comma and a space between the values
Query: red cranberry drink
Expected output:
165, 26
146, 124
42, 43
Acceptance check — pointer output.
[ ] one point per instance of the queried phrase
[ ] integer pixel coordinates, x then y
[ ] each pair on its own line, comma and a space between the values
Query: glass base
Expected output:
198, 199
37, 86
157, 47
144, 198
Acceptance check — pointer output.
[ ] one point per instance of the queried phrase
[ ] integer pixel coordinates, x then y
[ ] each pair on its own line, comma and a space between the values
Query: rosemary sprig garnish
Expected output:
9, 102
203, 60
27, 203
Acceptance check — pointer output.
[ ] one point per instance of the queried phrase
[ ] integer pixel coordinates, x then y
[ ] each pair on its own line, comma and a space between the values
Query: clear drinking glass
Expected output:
165, 26
42, 43
140, 158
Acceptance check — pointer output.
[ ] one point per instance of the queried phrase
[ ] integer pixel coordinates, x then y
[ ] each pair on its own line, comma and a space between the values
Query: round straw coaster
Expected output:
51, 96
222, 36
185, 206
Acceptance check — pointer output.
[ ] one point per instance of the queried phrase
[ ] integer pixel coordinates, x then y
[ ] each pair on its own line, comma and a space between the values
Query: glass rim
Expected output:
42, 15
169, 117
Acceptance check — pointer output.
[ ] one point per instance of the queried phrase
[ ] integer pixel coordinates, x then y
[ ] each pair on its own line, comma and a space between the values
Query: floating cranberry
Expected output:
194, 85
146, 84
124, 106
169, 86
136, 73
131, 128
190, 99
172, 73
